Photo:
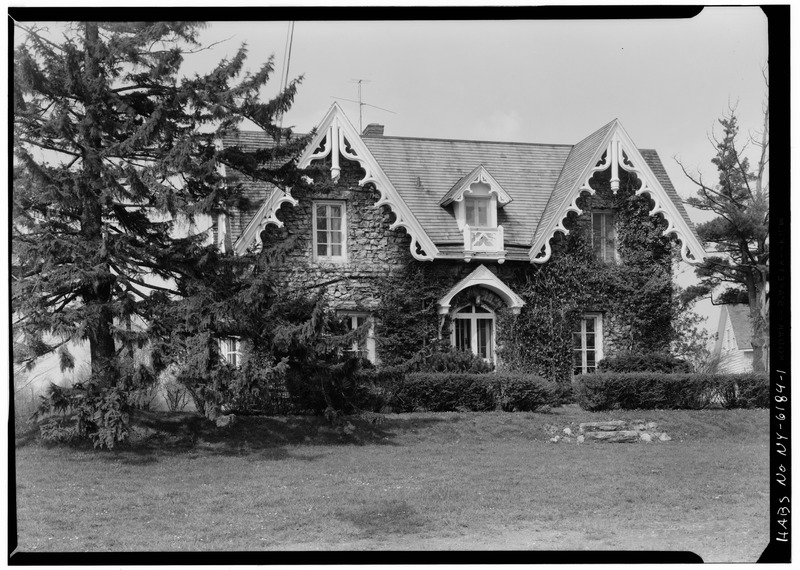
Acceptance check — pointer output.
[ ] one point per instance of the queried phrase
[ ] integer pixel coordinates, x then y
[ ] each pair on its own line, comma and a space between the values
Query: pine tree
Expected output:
739, 233
114, 153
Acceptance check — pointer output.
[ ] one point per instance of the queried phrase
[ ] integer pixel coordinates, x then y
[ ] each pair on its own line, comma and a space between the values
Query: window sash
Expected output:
364, 347
477, 212
473, 331
230, 348
587, 345
604, 236
329, 230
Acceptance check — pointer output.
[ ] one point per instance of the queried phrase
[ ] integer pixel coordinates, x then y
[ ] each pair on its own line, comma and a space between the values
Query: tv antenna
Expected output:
361, 104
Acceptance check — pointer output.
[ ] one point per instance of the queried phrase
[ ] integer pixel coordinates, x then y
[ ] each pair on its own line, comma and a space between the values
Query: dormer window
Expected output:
475, 200
477, 211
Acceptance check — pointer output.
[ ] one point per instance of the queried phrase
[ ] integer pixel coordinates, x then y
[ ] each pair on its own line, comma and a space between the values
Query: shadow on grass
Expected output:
385, 518
260, 437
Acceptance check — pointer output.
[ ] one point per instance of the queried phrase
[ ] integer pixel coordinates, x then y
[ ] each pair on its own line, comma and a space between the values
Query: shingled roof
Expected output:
742, 325
255, 191
538, 178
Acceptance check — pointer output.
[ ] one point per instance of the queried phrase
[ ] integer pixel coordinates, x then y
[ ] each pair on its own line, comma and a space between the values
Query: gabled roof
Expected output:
416, 175
337, 137
742, 325
611, 147
479, 174
579, 156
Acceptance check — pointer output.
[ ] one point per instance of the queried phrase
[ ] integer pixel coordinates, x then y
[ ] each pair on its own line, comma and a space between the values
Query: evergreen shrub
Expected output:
659, 390
448, 392
629, 361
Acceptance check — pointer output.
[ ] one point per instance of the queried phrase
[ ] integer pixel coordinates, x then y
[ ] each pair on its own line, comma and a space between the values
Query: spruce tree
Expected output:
115, 155
739, 232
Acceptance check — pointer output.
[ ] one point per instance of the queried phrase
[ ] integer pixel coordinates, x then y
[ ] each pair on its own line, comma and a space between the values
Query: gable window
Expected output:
587, 343
473, 330
477, 212
231, 350
604, 242
363, 347
329, 231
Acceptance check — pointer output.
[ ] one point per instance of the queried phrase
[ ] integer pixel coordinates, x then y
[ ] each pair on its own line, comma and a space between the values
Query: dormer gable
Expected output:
475, 199
477, 182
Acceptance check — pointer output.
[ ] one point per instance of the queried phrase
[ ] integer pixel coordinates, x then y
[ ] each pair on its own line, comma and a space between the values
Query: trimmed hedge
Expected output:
651, 390
626, 361
449, 392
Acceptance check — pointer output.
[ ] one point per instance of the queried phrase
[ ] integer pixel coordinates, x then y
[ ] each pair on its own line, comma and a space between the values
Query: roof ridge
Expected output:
469, 141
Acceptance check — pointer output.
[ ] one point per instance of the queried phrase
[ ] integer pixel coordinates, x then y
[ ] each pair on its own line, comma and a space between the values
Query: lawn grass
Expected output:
409, 482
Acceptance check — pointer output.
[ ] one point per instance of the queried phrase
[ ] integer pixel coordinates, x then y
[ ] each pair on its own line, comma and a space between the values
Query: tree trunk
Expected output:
760, 317
97, 291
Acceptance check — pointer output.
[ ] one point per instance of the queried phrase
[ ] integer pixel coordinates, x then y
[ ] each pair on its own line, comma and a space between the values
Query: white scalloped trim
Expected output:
340, 135
617, 147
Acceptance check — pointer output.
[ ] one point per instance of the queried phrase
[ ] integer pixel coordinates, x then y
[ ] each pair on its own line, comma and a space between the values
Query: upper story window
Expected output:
329, 221
477, 211
587, 343
604, 236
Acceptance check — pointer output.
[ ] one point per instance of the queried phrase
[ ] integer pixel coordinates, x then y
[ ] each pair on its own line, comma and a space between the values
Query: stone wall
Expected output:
373, 250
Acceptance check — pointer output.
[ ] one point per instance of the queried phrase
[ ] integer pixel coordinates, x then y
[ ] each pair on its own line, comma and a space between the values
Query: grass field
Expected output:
409, 482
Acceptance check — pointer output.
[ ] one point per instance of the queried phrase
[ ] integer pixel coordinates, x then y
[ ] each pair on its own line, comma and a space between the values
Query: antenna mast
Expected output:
361, 103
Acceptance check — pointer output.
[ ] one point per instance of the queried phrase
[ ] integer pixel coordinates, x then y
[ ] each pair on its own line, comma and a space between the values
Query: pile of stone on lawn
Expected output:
612, 431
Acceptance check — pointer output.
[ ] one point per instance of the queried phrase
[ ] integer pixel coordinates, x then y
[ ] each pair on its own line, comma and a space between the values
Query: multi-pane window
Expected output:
231, 350
329, 231
473, 330
587, 344
477, 212
365, 346
604, 236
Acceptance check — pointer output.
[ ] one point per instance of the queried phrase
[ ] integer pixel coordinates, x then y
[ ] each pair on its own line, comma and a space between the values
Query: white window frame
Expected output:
598, 340
351, 317
231, 349
606, 215
329, 258
474, 317
479, 193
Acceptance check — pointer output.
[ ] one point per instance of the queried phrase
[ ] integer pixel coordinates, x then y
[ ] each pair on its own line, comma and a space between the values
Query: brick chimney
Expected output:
373, 130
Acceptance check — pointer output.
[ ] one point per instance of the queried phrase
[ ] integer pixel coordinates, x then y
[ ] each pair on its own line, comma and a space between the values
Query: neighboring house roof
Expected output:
742, 325
735, 318
417, 175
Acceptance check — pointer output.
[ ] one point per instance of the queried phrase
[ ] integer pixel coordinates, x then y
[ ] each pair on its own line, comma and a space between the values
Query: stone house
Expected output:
482, 214
733, 349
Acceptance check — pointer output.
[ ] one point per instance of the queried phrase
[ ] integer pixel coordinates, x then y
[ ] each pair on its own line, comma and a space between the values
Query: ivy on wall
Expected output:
635, 293
407, 319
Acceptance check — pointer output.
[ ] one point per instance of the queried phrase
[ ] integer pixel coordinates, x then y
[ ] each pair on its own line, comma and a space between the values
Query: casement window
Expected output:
604, 236
477, 212
363, 347
587, 343
231, 350
473, 329
330, 231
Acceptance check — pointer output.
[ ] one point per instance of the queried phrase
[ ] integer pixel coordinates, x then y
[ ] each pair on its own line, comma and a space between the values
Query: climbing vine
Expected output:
634, 293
